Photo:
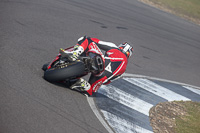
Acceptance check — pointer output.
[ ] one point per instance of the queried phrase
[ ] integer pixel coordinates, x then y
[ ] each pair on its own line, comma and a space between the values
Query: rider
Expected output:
113, 66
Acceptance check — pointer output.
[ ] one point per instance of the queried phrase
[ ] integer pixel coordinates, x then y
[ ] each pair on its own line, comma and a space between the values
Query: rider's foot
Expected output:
66, 54
63, 52
81, 85
72, 56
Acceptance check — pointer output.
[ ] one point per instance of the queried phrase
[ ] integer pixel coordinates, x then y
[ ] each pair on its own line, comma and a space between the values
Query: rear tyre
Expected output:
72, 70
44, 67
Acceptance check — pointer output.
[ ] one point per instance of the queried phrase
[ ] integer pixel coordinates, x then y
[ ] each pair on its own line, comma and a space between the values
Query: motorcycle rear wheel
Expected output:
73, 70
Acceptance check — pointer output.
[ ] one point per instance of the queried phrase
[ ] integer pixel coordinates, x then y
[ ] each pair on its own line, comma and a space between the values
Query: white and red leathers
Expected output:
115, 61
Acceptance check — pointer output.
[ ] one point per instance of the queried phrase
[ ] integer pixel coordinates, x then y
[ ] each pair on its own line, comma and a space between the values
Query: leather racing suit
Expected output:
115, 62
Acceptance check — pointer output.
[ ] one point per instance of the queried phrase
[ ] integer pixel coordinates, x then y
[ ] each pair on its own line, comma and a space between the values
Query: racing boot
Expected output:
81, 85
73, 55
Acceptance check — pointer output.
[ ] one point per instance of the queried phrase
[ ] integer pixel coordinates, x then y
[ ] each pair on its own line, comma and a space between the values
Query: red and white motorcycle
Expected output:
63, 69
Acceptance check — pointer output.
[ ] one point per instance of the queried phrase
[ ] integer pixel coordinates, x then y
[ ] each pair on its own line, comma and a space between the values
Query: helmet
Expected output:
126, 48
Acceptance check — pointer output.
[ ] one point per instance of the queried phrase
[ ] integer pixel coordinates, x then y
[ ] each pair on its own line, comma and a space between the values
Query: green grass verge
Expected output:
187, 8
189, 123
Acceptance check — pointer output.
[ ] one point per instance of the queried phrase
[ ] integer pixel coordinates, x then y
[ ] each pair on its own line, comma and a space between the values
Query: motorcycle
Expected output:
63, 69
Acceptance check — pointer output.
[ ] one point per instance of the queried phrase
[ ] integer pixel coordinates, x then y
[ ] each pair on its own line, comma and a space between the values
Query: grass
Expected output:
189, 123
186, 8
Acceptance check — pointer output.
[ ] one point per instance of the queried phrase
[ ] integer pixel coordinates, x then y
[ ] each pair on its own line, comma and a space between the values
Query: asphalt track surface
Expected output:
31, 32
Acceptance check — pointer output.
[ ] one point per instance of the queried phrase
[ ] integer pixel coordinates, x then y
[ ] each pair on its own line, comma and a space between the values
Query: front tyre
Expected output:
74, 69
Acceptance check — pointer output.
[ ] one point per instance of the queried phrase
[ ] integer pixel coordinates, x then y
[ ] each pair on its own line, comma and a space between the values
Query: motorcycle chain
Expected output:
63, 65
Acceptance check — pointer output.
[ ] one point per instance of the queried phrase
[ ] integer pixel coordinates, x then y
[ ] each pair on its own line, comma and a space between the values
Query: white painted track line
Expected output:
118, 123
126, 99
98, 115
159, 79
156, 89
122, 126
192, 89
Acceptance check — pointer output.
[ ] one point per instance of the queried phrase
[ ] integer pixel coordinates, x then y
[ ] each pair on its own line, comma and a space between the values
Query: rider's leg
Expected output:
96, 82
